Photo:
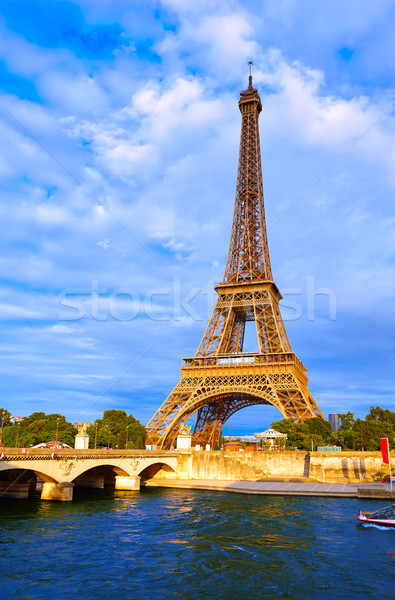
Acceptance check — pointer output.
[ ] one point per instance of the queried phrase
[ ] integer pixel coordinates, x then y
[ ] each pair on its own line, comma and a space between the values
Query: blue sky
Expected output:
118, 158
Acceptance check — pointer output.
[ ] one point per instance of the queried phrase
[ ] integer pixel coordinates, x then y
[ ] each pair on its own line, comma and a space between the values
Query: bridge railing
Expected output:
70, 453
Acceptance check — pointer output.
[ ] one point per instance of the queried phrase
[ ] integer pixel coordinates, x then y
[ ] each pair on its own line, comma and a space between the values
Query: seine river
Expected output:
164, 544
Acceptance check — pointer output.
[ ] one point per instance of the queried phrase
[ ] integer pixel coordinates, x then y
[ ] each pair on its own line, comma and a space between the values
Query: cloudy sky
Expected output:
118, 157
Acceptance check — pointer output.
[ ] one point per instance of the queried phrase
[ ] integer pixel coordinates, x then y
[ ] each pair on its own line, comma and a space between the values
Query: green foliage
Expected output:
346, 434
315, 431
381, 414
38, 428
115, 429
353, 434
346, 420
221, 442
365, 434
4, 414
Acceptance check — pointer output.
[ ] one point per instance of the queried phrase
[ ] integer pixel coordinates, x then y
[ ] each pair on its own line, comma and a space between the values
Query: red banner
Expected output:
385, 450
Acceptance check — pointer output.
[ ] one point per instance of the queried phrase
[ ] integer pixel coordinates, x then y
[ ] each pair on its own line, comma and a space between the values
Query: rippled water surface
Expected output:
166, 544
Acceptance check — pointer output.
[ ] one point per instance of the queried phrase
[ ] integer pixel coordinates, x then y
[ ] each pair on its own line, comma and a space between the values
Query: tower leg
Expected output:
216, 398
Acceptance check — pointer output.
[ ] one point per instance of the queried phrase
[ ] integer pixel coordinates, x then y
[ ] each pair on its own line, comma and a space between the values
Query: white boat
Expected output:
384, 516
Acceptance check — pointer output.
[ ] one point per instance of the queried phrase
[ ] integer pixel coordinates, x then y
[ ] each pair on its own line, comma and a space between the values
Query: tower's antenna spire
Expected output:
250, 77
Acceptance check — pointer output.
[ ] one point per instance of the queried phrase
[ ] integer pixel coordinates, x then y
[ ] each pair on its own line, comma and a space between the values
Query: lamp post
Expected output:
118, 442
17, 435
57, 427
95, 436
109, 438
2, 424
127, 436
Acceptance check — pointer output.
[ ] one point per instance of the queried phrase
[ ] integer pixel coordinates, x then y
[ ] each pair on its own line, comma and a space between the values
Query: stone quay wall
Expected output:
328, 467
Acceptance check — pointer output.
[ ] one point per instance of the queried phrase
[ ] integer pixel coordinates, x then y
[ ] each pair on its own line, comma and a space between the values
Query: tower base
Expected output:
217, 387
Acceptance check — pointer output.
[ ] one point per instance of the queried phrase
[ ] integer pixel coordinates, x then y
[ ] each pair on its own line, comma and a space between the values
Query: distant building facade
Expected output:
15, 420
334, 420
233, 446
83, 425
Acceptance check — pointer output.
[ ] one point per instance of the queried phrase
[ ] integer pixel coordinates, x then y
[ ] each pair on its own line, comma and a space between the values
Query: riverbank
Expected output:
282, 487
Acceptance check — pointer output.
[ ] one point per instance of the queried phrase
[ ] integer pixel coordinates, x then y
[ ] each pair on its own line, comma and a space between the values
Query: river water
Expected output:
170, 544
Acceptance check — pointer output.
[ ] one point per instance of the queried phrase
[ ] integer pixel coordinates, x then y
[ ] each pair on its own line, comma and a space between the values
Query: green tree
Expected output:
38, 428
365, 434
381, 414
321, 429
314, 431
345, 434
368, 433
116, 428
6, 415
297, 433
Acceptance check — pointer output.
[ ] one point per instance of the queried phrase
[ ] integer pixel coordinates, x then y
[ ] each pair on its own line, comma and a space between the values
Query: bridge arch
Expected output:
84, 468
103, 475
155, 468
99, 476
20, 482
8, 470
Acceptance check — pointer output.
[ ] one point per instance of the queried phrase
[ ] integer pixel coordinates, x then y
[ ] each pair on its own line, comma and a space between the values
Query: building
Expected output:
83, 424
334, 420
232, 446
16, 420
251, 447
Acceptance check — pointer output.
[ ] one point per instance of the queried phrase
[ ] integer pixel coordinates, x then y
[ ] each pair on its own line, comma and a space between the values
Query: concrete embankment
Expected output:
324, 467
281, 488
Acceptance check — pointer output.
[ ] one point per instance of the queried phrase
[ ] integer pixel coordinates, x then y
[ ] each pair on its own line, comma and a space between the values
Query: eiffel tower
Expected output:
221, 379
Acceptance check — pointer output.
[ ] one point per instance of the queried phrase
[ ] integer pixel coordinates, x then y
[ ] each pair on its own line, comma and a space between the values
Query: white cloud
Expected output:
104, 243
27, 59
51, 214
221, 44
60, 329
73, 92
156, 143
125, 159
299, 107
8, 311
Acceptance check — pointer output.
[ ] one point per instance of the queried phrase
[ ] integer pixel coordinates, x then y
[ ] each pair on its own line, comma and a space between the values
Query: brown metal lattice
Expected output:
220, 379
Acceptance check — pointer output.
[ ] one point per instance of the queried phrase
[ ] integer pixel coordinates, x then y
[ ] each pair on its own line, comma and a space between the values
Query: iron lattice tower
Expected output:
220, 379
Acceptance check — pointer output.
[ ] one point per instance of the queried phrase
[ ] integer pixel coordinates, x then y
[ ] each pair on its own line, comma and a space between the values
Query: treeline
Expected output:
36, 428
114, 429
307, 435
365, 434
353, 434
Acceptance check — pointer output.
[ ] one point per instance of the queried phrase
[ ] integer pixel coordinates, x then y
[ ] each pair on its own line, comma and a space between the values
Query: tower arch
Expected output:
213, 409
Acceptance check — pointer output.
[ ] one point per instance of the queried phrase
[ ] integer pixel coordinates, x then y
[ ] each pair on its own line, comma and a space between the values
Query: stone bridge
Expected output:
61, 470
22, 470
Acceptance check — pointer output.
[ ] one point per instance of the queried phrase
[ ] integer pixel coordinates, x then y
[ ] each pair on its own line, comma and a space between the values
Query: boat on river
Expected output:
384, 517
